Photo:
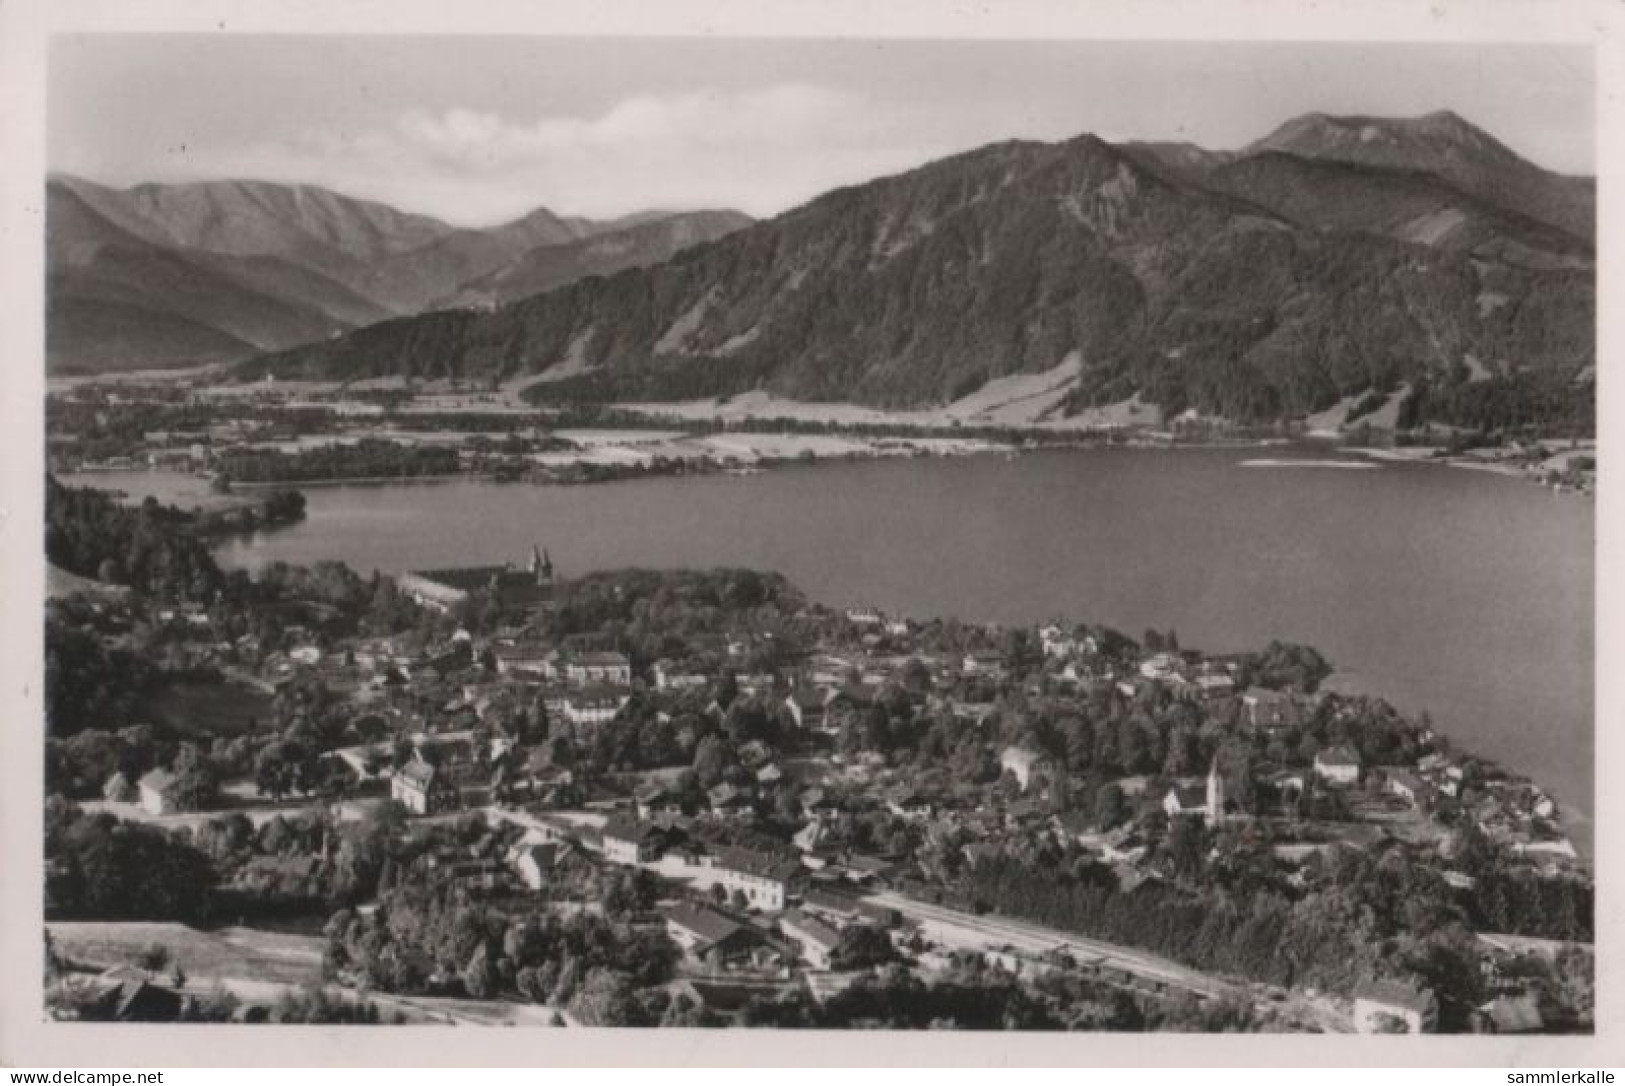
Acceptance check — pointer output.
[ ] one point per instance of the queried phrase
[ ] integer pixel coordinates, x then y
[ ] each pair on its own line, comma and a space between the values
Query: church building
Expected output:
529, 589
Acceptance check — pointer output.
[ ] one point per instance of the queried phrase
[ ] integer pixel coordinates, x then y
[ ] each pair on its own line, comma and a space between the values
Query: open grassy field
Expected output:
204, 955
260, 965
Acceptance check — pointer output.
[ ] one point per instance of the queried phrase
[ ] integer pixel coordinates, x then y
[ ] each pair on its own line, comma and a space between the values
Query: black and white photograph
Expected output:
755, 532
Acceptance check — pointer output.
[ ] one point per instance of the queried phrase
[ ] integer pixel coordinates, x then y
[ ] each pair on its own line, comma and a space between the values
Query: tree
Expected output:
282, 768
528, 983
862, 946
712, 758
1111, 808
1187, 847
564, 989
196, 786
479, 976
155, 958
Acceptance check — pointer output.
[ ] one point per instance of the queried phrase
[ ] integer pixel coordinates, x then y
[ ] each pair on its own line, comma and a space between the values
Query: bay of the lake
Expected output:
1462, 593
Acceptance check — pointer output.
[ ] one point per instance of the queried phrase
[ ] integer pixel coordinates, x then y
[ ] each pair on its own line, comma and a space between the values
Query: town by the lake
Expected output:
553, 796
1025, 532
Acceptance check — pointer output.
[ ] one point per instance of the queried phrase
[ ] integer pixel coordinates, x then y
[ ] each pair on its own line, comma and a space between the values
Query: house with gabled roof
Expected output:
805, 705
832, 906
763, 879
1023, 764
123, 994
1382, 1004
630, 840
599, 668
708, 935
1269, 710
1338, 765
731, 802
118, 789
817, 941
1185, 799
1513, 1014
423, 788
1402, 782
533, 863
159, 793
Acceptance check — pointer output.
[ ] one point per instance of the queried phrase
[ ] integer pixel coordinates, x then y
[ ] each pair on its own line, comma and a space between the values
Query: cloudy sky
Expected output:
477, 130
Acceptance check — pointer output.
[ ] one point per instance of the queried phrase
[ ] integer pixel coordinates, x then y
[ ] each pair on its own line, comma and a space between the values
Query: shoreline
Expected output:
360, 480
756, 452
1428, 456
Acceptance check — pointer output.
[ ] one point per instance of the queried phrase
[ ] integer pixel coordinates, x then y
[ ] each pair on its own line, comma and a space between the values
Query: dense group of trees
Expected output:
1499, 408
1367, 916
98, 867
89, 684
152, 548
425, 937
278, 508
1512, 898
369, 458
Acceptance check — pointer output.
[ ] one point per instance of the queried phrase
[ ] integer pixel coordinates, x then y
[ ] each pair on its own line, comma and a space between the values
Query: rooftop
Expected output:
710, 925
1393, 993
749, 862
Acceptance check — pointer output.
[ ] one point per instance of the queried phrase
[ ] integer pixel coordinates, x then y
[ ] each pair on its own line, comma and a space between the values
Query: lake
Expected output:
1459, 592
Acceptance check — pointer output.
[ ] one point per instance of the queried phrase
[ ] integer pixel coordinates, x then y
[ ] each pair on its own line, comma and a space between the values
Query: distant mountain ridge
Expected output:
1459, 152
648, 241
116, 298
196, 273
1259, 284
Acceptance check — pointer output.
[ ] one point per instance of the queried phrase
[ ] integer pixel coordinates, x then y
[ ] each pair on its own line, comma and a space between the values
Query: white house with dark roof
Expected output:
118, 789
590, 668
524, 658
1379, 1005
1269, 710
764, 880
988, 664
816, 939
158, 792
533, 862
593, 705
423, 788
1401, 782
671, 676
1338, 765
706, 934
629, 840
1022, 764
1162, 667
806, 706
1185, 799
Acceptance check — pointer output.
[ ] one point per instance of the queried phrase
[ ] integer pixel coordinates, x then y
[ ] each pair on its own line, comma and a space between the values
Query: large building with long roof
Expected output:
443, 589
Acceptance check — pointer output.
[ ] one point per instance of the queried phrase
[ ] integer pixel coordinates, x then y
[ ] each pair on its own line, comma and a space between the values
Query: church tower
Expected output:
1214, 813
541, 565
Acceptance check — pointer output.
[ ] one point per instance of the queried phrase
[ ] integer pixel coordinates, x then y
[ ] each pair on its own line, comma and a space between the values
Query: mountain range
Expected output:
185, 274
1334, 258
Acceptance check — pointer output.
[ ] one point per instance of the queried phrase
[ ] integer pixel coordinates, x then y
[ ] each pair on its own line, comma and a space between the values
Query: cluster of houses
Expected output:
428, 741
587, 688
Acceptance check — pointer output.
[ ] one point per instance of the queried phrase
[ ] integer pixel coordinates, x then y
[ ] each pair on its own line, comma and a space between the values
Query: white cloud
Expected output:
760, 151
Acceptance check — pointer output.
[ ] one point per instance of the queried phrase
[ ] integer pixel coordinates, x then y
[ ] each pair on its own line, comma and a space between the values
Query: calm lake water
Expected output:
1459, 592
